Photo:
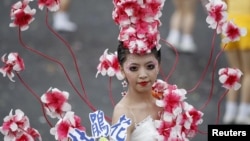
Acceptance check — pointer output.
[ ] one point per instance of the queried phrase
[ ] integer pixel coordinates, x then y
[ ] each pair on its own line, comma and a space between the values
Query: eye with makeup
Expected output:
133, 68
150, 66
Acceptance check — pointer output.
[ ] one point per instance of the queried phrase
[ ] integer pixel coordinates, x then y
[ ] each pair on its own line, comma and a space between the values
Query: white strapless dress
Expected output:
144, 130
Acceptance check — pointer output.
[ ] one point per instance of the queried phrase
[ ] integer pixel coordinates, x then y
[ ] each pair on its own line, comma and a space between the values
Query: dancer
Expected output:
139, 104
238, 56
181, 26
61, 19
139, 58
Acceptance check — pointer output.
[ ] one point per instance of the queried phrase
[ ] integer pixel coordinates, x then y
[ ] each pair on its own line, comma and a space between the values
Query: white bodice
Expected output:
144, 130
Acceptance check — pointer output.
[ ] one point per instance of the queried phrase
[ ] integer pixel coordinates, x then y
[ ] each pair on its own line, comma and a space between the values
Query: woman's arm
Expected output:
117, 113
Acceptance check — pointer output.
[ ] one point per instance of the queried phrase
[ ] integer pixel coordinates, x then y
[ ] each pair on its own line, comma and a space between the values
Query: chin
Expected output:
145, 89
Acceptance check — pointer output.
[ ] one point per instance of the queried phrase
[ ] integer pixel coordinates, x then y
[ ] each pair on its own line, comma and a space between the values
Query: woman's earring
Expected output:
124, 85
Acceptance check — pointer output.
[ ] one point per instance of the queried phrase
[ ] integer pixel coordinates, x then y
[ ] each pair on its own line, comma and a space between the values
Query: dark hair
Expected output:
122, 53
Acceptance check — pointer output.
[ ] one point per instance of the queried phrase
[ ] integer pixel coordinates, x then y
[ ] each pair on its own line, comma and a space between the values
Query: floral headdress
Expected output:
139, 22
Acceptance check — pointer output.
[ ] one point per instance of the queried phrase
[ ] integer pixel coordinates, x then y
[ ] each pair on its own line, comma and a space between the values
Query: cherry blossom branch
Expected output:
85, 98
202, 132
71, 52
207, 65
219, 103
212, 81
36, 96
60, 64
175, 62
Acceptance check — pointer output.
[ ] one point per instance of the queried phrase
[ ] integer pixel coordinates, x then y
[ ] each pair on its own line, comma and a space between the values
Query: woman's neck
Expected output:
139, 96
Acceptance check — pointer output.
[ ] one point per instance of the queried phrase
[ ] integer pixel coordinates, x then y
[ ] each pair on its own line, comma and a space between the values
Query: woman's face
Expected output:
140, 71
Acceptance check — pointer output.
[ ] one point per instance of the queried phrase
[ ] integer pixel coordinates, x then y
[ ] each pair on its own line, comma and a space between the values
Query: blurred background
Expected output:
96, 32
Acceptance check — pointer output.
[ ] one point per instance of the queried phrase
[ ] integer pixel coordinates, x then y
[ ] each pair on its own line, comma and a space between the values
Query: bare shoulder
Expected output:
119, 110
122, 109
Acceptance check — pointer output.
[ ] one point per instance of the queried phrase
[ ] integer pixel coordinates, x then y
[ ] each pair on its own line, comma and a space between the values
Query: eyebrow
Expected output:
149, 62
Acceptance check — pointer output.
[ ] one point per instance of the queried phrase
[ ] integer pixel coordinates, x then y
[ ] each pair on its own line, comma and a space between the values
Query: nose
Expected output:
142, 74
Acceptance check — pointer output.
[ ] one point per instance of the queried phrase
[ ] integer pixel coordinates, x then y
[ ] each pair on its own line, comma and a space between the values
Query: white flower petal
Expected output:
236, 86
160, 103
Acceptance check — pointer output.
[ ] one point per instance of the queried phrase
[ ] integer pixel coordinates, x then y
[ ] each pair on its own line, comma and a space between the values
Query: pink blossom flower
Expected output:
172, 101
140, 38
34, 134
217, 14
17, 127
184, 126
196, 120
109, 65
230, 77
14, 124
232, 32
24, 137
56, 102
30, 135
190, 119
139, 22
164, 129
158, 88
151, 12
13, 63
62, 127
52, 5
179, 120
176, 134
22, 15
125, 13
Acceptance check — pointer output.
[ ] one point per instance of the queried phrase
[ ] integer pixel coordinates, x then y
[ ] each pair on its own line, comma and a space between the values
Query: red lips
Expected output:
144, 83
